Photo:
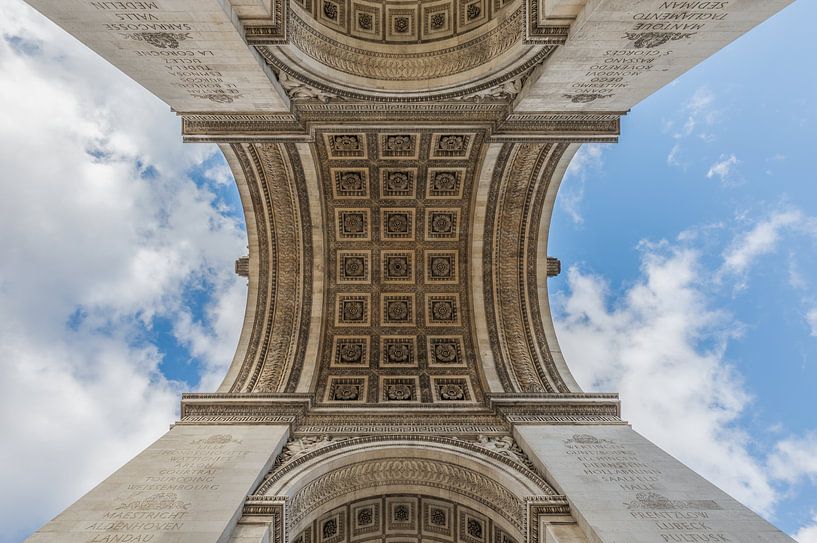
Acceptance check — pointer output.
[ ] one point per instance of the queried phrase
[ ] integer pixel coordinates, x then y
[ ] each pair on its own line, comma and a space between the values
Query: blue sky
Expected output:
709, 199
689, 250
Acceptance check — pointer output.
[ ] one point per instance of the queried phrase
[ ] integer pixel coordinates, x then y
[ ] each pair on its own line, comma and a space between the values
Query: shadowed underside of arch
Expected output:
398, 267
421, 488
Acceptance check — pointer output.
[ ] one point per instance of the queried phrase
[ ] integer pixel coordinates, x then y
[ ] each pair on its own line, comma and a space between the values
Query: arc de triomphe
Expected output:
398, 377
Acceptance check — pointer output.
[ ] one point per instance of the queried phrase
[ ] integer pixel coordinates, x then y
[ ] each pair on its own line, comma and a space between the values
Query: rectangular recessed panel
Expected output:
400, 205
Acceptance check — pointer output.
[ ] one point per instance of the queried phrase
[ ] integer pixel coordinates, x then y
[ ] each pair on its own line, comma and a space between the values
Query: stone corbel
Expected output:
545, 512
549, 21
268, 513
270, 30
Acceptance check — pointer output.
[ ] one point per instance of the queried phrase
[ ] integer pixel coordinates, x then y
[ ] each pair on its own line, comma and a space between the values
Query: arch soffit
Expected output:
491, 60
282, 228
325, 477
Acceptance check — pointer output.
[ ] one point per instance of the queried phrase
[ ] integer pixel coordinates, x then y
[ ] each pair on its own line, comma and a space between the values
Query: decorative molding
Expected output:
263, 505
554, 266
276, 349
213, 409
572, 127
420, 422
270, 510
408, 471
392, 66
241, 127
487, 84
269, 31
571, 419
562, 408
537, 31
514, 207
242, 266
529, 127
544, 506
296, 90
311, 424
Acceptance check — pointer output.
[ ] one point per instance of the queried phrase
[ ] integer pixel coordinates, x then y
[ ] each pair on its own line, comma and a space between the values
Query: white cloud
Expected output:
795, 459
587, 160
662, 340
811, 319
701, 103
724, 168
699, 109
762, 239
220, 174
673, 156
808, 533
662, 346
101, 229
695, 119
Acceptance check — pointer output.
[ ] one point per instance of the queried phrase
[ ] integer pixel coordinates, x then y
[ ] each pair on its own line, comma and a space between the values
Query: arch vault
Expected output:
398, 377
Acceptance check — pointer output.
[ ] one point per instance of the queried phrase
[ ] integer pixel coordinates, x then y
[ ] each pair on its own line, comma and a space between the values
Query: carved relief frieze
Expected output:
506, 90
408, 471
300, 446
533, 127
505, 446
297, 90
278, 197
368, 466
430, 64
389, 21
512, 218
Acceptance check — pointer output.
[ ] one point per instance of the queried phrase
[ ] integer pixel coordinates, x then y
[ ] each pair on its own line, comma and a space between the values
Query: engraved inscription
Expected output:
160, 501
677, 520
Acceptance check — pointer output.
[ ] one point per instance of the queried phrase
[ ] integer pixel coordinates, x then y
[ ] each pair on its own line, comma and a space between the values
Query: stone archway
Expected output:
319, 484
411, 517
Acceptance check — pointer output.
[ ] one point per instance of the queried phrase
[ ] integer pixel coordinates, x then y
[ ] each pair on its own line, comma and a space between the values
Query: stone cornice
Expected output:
301, 124
226, 408
503, 411
572, 408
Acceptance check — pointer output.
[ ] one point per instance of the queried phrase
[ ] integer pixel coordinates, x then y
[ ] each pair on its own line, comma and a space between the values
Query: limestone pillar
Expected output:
189, 53
624, 489
189, 486
620, 52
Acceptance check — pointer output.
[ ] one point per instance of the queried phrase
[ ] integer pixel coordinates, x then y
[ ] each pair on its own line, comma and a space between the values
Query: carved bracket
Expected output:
538, 30
269, 511
272, 31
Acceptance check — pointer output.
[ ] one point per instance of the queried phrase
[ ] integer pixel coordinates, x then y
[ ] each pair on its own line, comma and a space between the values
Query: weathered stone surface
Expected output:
621, 51
188, 486
624, 489
189, 53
